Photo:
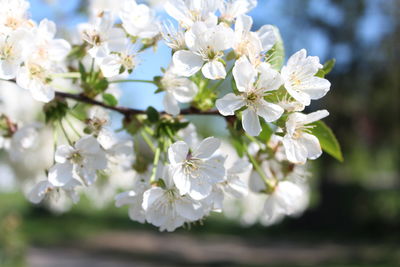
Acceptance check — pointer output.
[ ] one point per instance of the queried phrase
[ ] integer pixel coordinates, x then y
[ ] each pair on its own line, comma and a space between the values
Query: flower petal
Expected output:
187, 63
214, 70
60, 174
178, 152
229, 104
206, 148
251, 122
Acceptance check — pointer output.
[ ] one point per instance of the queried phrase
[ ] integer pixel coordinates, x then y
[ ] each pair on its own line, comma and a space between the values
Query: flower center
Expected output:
76, 158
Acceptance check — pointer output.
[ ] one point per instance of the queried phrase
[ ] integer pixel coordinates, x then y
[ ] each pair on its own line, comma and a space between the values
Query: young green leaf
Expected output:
327, 139
276, 55
110, 100
152, 114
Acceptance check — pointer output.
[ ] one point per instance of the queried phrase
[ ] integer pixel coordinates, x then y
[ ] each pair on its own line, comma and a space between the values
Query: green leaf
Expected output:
82, 71
327, 68
110, 100
101, 85
276, 55
55, 110
152, 114
327, 139
329, 65
266, 133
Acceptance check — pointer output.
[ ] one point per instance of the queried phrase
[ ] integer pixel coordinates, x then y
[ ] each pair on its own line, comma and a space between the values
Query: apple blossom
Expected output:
253, 86
206, 45
300, 80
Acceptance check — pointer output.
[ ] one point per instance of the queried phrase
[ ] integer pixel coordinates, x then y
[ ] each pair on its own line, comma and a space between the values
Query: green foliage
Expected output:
276, 55
152, 115
55, 110
110, 100
206, 97
266, 133
327, 68
327, 139
92, 82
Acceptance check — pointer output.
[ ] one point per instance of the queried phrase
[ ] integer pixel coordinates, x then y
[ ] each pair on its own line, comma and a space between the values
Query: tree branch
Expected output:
129, 111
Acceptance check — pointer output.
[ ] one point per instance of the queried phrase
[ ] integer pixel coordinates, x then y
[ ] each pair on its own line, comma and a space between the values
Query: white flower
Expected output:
231, 9
177, 89
252, 44
187, 12
167, 209
195, 172
102, 34
173, 37
37, 79
253, 86
134, 198
234, 183
43, 188
117, 62
299, 144
24, 139
48, 49
14, 15
14, 49
206, 45
81, 161
97, 7
300, 80
138, 20
288, 198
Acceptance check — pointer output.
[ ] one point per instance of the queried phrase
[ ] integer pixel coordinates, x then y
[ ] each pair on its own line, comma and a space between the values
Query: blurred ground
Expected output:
143, 248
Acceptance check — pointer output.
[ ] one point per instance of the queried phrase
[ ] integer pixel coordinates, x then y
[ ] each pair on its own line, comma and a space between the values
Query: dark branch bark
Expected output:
129, 111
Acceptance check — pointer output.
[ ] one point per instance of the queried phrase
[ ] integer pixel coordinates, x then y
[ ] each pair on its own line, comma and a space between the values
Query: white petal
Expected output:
182, 181
187, 63
229, 104
42, 93
88, 145
270, 79
269, 111
244, 74
267, 36
206, 148
315, 116
171, 106
199, 189
295, 150
316, 87
186, 209
107, 138
214, 70
150, 196
60, 174
37, 194
312, 145
251, 122
63, 152
178, 152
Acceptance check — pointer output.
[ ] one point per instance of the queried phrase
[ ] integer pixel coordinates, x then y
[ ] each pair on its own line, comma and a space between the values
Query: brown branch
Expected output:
129, 111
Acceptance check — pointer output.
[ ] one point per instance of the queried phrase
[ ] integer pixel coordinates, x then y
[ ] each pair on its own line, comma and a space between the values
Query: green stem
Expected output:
155, 165
132, 81
148, 141
65, 133
73, 128
67, 75
267, 182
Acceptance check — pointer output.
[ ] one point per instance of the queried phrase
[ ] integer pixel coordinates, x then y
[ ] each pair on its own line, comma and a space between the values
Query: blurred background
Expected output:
354, 215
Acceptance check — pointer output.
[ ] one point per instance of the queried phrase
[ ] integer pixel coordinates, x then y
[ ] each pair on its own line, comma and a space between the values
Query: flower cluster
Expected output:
220, 66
